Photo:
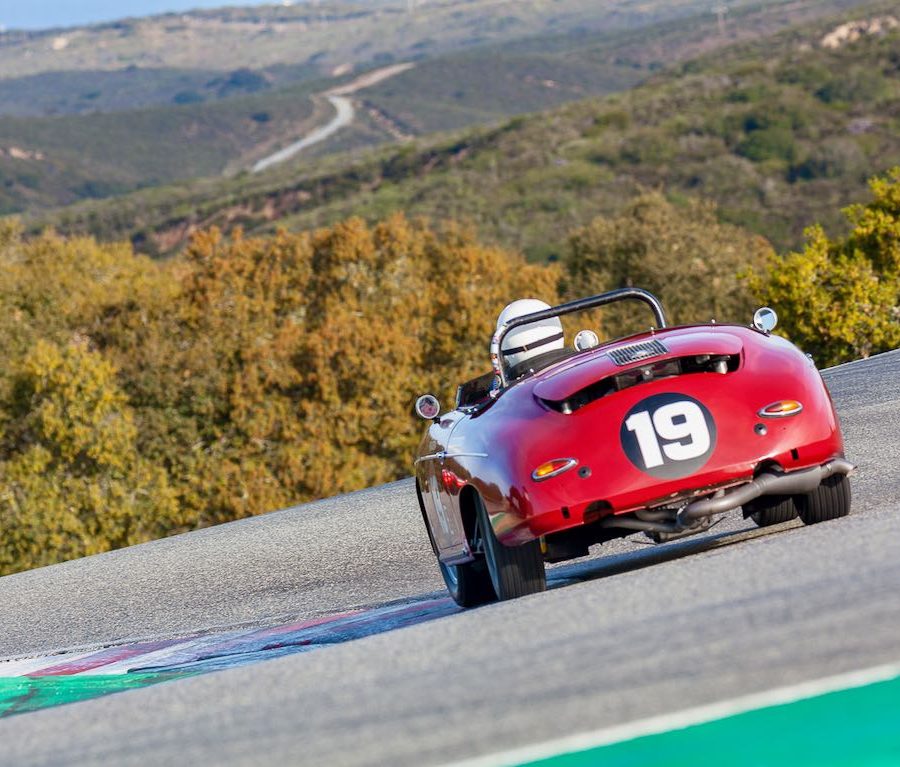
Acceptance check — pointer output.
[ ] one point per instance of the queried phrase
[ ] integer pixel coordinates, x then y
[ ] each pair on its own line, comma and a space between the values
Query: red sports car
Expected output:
563, 447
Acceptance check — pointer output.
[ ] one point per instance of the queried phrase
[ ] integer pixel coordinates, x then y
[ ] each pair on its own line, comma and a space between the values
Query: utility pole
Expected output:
720, 11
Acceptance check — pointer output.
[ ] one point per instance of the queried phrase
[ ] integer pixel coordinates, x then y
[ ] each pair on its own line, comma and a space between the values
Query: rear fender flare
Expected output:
425, 517
468, 511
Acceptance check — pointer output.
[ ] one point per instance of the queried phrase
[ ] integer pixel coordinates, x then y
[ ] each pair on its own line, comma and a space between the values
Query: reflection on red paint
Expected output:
452, 483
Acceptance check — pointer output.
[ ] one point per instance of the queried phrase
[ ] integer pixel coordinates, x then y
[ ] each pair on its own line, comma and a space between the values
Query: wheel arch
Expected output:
469, 498
425, 517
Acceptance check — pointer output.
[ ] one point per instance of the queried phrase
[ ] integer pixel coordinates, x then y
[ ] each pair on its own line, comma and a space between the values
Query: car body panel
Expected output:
568, 377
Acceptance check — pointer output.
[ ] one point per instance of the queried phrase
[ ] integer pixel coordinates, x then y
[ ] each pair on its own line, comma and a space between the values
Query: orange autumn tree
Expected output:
140, 398
286, 367
395, 310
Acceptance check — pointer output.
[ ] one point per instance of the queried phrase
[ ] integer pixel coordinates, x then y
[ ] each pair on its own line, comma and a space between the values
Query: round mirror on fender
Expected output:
428, 407
765, 319
586, 339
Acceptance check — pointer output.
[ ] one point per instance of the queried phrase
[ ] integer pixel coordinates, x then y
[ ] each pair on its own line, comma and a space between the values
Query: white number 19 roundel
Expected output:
668, 435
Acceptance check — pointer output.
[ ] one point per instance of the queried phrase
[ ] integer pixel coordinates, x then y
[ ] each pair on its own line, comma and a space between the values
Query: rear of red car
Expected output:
561, 448
653, 422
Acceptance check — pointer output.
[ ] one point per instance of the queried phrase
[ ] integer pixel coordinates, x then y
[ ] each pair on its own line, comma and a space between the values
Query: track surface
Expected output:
638, 632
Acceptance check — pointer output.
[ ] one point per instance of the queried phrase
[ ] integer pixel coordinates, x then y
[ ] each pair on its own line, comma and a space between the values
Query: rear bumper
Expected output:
693, 504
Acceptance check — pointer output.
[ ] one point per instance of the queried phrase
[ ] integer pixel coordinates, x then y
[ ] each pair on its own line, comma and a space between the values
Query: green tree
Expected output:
71, 480
840, 299
681, 253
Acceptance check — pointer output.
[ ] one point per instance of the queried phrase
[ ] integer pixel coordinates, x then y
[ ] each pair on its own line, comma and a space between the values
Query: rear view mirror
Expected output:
586, 339
428, 407
765, 319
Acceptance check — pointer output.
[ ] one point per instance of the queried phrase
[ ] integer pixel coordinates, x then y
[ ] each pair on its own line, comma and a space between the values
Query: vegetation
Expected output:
756, 128
58, 160
321, 36
840, 299
140, 398
684, 255
128, 124
489, 83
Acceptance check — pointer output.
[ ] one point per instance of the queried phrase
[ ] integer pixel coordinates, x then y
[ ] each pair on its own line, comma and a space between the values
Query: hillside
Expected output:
536, 74
192, 57
55, 161
324, 35
780, 132
88, 133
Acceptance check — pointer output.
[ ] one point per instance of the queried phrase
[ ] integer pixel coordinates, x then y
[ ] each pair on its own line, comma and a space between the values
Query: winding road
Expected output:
635, 631
344, 114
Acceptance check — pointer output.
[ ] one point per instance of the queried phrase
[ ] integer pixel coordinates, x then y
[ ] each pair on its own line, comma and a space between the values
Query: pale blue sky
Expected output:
40, 14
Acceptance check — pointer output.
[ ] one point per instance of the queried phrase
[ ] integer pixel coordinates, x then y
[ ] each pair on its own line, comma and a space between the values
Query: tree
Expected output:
840, 299
71, 480
284, 368
683, 254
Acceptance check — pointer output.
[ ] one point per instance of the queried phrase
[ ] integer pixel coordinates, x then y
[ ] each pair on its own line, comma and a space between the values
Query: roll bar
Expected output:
622, 294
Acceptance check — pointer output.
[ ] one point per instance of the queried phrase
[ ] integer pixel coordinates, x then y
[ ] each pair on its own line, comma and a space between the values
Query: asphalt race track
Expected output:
636, 631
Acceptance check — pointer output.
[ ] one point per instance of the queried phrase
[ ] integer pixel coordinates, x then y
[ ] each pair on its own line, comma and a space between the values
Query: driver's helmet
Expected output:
530, 340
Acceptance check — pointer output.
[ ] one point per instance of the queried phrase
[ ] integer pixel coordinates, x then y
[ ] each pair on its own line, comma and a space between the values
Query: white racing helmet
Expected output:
530, 340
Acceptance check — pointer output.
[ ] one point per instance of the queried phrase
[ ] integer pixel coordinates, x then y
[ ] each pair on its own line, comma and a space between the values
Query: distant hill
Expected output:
779, 132
325, 35
103, 142
53, 161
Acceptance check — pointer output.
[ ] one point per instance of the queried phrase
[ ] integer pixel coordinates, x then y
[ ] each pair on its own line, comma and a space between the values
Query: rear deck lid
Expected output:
562, 382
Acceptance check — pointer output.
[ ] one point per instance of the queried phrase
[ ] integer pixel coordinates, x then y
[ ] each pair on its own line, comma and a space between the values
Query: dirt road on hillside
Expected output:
345, 113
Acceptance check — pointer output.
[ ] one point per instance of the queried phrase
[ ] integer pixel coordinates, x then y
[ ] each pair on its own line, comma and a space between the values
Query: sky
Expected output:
41, 14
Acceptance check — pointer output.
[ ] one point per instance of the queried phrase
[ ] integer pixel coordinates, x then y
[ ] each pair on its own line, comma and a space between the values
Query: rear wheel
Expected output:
770, 510
515, 571
469, 584
829, 500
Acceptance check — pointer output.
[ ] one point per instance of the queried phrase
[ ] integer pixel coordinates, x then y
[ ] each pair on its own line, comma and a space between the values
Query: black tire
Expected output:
515, 571
469, 584
830, 500
770, 510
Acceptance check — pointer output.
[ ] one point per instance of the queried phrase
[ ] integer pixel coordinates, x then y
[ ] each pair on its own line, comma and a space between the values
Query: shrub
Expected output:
840, 299
682, 254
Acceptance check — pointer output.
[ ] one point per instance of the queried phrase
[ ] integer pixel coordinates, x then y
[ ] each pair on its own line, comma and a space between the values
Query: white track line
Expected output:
25, 666
686, 718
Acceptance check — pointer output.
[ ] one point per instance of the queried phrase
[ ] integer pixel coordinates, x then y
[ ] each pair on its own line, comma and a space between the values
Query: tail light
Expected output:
781, 409
553, 468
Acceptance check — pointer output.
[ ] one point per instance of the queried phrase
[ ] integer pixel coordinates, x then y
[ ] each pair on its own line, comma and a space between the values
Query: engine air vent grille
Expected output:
625, 355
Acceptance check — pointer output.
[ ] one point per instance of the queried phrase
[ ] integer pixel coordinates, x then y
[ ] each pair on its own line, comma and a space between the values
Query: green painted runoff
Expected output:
859, 727
21, 694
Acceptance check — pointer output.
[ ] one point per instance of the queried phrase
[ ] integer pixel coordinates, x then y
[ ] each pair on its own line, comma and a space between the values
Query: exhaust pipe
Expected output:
767, 483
